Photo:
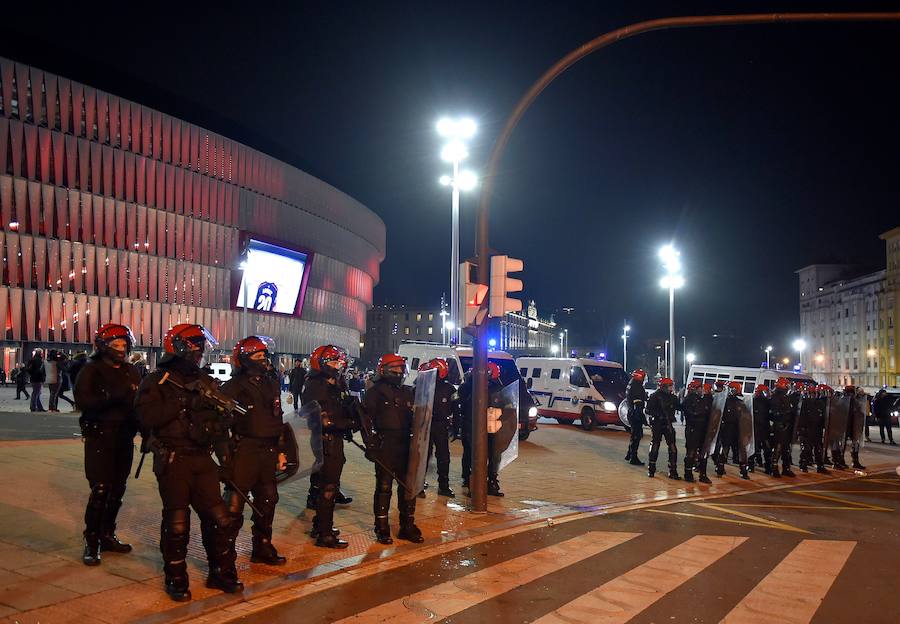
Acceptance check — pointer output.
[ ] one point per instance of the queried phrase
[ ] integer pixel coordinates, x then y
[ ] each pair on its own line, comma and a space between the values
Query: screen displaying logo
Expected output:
272, 278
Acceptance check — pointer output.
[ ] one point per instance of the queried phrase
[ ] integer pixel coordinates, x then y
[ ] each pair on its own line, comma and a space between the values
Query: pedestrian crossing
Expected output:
794, 588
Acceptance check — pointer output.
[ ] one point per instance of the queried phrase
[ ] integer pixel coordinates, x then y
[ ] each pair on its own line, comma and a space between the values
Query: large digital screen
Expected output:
272, 279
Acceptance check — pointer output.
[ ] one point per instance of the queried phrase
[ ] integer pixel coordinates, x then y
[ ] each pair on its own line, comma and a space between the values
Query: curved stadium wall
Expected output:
114, 212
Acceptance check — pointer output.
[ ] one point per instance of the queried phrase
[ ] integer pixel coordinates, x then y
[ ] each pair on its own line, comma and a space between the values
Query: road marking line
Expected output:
796, 587
451, 597
622, 598
861, 506
747, 519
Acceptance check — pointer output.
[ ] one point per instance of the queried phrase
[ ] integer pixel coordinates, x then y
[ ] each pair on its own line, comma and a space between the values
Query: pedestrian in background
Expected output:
296, 379
2, 376
51, 378
38, 375
63, 382
76, 365
138, 361
20, 376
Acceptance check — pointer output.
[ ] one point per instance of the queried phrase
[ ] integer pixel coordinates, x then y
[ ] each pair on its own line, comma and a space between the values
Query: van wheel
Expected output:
524, 432
587, 419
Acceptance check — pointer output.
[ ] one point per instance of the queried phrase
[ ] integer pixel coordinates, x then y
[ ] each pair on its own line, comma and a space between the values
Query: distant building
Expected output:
847, 318
525, 333
389, 325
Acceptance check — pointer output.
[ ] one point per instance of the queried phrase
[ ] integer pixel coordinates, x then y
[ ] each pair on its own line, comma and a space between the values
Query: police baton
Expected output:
380, 463
231, 486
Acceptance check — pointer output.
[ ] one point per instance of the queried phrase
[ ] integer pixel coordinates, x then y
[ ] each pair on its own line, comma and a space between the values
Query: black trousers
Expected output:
661, 428
189, 478
439, 445
254, 464
729, 435
782, 434
694, 436
762, 446
328, 480
467, 457
394, 454
108, 455
636, 422
885, 424
811, 441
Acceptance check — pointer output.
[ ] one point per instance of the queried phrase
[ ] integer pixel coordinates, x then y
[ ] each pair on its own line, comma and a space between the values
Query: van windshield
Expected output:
606, 375
508, 371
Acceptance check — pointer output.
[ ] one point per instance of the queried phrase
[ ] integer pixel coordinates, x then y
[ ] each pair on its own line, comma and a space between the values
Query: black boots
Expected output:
381, 508
651, 470
325, 520
342, 499
494, 487
444, 488
408, 529
635, 461
91, 555
265, 552
856, 464
787, 472
109, 542
744, 472
224, 579
704, 479
673, 474
177, 588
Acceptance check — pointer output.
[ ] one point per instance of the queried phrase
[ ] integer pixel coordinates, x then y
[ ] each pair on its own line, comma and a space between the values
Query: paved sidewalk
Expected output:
561, 470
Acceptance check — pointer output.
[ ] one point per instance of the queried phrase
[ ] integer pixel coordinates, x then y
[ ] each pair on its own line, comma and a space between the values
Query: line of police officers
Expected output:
186, 419
792, 412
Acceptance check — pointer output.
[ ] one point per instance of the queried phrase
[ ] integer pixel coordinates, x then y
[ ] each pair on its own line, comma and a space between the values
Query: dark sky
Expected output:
757, 149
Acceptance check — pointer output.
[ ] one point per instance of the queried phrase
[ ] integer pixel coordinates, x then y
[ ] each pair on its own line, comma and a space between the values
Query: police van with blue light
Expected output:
588, 390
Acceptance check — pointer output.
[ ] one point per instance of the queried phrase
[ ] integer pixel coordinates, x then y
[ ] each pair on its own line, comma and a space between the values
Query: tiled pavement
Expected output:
561, 470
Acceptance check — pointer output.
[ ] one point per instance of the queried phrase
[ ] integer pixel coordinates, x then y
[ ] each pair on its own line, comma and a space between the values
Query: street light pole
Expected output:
768, 351
683, 361
244, 278
454, 255
625, 329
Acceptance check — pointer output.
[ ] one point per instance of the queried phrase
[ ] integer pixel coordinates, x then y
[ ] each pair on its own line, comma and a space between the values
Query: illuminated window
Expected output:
430, 330
406, 330
419, 316
430, 316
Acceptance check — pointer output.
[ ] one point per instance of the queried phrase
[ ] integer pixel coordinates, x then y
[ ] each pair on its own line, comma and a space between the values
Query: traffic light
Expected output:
502, 284
472, 296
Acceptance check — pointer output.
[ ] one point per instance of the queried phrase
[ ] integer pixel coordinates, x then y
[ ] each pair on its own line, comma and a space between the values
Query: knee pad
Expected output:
383, 486
100, 490
219, 516
233, 502
268, 495
177, 522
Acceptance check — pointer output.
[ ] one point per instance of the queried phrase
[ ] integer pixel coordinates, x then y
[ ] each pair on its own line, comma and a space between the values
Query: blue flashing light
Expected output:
602, 355
492, 342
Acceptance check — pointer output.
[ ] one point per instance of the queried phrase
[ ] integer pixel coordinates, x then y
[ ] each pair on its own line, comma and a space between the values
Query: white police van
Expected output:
570, 389
459, 360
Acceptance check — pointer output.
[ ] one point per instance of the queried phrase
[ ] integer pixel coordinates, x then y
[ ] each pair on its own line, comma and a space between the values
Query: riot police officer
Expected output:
762, 451
104, 392
442, 418
255, 385
696, 419
636, 396
335, 421
661, 409
183, 427
729, 432
495, 399
856, 424
389, 406
811, 427
781, 414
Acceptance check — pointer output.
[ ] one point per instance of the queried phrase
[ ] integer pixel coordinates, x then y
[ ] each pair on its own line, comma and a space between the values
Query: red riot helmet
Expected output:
392, 367
762, 390
493, 371
695, 386
439, 364
707, 388
735, 388
640, 374
322, 358
666, 384
783, 383
189, 341
109, 333
243, 356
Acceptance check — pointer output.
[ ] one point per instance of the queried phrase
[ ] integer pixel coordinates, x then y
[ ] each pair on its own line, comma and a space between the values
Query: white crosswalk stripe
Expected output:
622, 598
451, 597
797, 585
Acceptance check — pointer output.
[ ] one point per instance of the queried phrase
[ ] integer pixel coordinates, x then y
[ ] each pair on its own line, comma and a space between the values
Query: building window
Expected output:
418, 331
406, 330
419, 316
430, 316
406, 316
430, 330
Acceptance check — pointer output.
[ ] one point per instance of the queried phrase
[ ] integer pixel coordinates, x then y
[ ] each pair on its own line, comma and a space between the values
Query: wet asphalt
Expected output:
863, 510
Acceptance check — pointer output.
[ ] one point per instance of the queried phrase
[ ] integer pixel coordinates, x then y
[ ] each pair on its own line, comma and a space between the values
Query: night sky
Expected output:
757, 149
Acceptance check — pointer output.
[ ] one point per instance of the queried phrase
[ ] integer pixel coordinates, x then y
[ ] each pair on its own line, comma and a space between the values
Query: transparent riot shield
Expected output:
836, 418
623, 412
745, 425
311, 415
796, 429
715, 421
423, 403
504, 444
859, 414
287, 445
